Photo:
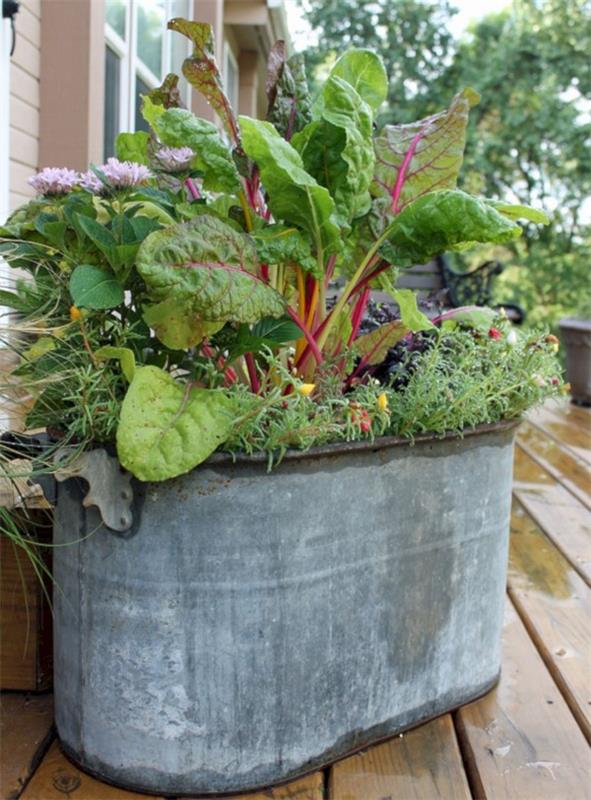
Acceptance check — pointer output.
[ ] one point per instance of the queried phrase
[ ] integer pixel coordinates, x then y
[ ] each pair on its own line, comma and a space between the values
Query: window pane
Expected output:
140, 89
150, 31
115, 16
178, 45
112, 99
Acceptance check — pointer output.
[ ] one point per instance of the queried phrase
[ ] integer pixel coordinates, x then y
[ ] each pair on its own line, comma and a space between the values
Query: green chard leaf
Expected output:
413, 319
424, 156
178, 127
278, 244
366, 73
294, 195
133, 147
201, 70
124, 355
373, 346
516, 212
167, 94
175, 324
95, 288
286, 87
209, 269
166, 429
442, 221
337, 147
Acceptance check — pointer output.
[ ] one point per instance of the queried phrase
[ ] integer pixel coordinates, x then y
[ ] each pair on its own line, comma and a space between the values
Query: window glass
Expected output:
112, 101
177, 43
151, 24
140, 89
115, 12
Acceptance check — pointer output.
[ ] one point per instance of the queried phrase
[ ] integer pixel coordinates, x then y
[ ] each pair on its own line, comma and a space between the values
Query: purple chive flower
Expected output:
123, 174
54, 180
174, 159
91, 182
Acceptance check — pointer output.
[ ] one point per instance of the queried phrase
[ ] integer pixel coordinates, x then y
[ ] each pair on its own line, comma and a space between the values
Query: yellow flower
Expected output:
306, 389
383, 401
75, 314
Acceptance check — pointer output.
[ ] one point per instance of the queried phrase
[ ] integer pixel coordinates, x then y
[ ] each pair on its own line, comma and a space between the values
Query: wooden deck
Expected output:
528, 739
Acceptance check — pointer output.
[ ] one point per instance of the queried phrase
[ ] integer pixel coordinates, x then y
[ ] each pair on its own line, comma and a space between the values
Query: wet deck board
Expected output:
526, 739
57, 778
570, 427
569, 470
520, 741
424, 763
310, 788
25, 729
562, 517
555, 604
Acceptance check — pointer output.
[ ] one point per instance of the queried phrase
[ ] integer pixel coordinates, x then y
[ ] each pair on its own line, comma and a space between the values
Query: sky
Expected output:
468, 11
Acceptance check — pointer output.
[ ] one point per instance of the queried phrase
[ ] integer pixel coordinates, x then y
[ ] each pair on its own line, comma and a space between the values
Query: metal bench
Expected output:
461, 288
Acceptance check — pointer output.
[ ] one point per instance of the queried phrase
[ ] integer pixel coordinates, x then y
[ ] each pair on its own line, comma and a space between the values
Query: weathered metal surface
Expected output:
576, 336
252, 626
109, 485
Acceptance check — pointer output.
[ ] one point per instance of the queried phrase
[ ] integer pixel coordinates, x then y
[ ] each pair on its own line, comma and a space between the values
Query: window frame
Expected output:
230, 58
5, 44
131, 66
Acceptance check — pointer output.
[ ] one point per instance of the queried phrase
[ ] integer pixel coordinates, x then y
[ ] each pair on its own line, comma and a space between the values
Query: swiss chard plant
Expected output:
185, 288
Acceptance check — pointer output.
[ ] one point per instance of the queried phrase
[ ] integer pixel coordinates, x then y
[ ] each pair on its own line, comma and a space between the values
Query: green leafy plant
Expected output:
179, 298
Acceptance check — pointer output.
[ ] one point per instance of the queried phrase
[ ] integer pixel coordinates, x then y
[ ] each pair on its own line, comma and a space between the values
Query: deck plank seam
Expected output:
557, 440
550, 665
37, 758
556, 474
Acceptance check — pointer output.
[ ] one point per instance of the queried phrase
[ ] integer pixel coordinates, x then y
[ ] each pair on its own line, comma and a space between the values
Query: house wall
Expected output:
24, 108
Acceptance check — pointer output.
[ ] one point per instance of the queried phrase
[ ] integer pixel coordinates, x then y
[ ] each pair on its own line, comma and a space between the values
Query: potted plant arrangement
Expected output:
575, 333
294, 538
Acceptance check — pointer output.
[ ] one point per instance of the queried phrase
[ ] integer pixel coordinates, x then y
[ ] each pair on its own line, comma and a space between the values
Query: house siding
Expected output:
25, 71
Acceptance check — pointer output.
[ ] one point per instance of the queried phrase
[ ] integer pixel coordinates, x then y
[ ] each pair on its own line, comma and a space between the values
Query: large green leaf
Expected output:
201, 70
442, 221
294, 195
208, 268
366, 73
278, 244
133, 147
337, 147
424, 156
166, 429
95, 288
178, 127
177, 325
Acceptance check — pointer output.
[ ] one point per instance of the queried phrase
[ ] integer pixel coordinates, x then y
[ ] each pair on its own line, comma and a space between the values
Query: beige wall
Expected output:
25, 102
72, 83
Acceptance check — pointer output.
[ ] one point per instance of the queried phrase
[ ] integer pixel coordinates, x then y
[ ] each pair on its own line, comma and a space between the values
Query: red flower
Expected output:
495, 333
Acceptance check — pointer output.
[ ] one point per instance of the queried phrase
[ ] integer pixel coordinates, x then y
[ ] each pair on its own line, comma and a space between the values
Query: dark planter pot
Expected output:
252, 627
576, 337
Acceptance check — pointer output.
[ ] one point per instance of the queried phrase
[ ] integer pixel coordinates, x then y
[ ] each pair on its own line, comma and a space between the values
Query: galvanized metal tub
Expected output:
252, 626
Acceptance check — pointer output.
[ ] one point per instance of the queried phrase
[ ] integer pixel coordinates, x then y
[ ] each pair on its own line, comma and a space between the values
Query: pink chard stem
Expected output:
307, 335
